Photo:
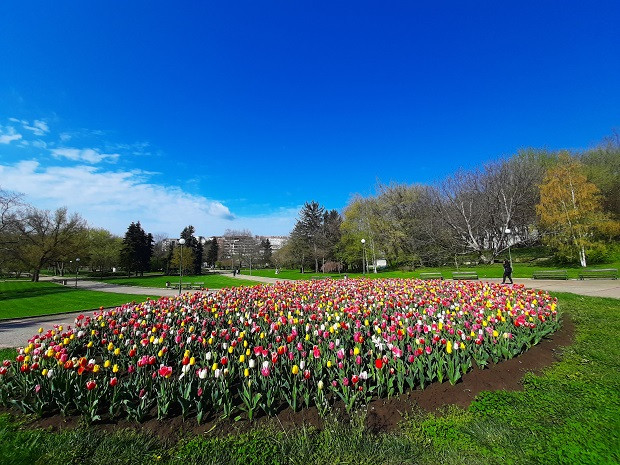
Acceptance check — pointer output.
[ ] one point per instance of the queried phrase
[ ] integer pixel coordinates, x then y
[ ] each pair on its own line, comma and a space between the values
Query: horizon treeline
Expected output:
566, 200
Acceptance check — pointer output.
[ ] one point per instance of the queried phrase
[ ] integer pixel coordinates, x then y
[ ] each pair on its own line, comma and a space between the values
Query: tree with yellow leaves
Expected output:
570, 210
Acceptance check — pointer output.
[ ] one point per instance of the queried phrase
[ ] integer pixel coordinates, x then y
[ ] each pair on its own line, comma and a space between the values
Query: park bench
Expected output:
62, 281
198, 286
464, 275
550, 274
600, 273
431, 275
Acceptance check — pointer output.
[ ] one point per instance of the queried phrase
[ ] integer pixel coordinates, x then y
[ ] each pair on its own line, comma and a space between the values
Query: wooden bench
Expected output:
62, 281
550, 274
198, 286
600, 273
431, 275
464, 275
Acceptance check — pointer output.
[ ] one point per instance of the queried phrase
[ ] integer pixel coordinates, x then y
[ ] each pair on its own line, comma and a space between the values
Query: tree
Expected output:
196, 246
308, 234
266, 251
104, 249
602, 165
43, 237
212, 251
9, 204
159, 259
188, 259
570, 210
137, 249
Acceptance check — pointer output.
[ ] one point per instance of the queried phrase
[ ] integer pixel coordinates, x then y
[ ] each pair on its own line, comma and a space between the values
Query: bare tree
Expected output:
44, 237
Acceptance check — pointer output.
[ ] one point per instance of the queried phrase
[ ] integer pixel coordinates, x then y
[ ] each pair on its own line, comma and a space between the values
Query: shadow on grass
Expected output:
38, 291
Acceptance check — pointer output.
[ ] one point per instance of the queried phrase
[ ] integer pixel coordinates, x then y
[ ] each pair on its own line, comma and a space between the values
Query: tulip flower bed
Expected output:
258, 349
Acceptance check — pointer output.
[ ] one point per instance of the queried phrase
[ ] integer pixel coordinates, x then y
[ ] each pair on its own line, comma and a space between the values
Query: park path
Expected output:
14, 333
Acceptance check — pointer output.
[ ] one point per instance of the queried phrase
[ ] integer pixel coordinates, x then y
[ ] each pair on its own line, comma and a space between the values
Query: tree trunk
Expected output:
582, 256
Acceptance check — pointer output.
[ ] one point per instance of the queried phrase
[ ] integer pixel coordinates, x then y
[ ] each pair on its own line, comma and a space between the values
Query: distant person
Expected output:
235, 272
507, 272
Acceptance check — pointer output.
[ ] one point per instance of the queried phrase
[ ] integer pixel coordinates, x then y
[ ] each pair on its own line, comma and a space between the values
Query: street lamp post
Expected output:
77, 270
363, 256
181, 242
508, 231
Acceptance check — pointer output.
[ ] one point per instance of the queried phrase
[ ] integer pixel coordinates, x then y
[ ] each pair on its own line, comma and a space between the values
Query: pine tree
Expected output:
212, 252
137, 249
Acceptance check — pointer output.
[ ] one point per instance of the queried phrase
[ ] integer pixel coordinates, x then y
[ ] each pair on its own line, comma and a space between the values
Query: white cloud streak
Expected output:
88, 155
38, 127
113, 199
8, 135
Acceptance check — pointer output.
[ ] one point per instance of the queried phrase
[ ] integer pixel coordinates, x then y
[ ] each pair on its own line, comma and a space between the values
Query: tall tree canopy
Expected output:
570, 210
137, 249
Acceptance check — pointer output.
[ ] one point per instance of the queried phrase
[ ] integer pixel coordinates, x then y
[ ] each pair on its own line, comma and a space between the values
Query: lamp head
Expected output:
181, 241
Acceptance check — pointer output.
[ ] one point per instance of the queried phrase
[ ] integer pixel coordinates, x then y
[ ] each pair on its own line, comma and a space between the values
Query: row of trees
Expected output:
32, 239
567, 201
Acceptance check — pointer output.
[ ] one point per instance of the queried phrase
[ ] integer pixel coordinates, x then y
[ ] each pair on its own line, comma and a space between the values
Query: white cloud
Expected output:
38, 127
8, 135
64, 137
113, 199
87, 155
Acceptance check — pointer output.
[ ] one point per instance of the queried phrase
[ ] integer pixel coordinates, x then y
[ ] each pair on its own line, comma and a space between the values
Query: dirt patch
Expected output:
383, 415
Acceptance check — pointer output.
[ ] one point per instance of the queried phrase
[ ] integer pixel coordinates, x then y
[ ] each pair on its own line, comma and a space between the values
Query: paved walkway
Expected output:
14, 333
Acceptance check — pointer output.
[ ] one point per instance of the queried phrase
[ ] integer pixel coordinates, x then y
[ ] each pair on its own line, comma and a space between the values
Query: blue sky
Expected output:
233, 114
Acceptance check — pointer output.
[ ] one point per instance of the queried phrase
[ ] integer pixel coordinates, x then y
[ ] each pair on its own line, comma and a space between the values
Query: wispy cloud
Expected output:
38, 127
113, 199
88, 155
8, 135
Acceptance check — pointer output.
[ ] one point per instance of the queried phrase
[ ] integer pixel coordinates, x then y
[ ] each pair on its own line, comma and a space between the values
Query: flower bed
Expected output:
257, 349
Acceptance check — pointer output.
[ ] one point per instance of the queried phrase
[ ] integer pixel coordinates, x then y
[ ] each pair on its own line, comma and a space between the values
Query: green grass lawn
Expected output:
496, 270
568, 415
25, 298
211, 281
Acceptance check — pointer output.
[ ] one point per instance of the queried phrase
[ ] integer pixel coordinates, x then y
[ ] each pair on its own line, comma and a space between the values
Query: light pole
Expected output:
181, 242
363, 256
508, 231
77, 270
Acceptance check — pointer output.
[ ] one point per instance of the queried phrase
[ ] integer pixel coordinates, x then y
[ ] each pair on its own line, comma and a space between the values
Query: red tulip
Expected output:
90, 385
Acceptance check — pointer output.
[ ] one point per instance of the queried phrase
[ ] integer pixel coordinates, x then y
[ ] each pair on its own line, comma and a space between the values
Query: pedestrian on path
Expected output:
507, 272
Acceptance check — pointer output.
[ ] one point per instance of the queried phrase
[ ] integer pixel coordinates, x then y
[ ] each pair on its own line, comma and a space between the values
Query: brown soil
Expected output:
382, 415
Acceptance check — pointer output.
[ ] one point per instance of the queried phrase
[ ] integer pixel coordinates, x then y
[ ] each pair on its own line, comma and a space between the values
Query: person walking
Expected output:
507, 272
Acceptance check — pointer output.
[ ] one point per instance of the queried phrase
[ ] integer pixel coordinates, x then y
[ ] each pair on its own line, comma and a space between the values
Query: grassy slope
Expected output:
569, 415
211, 281
24, 298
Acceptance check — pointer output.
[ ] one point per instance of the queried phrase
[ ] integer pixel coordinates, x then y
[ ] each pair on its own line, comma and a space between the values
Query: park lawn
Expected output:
211, 281
24, 298
568, 415
496, 270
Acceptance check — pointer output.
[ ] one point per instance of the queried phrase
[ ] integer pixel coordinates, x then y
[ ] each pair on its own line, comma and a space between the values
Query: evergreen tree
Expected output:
212, 251
265, 247
137, 249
